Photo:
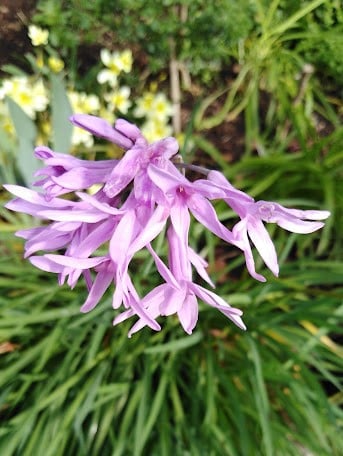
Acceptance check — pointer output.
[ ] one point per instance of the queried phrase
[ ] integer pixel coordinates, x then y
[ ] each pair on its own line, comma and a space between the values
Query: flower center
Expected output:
265, 210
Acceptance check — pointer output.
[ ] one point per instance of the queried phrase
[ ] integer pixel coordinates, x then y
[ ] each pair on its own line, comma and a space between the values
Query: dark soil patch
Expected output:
15, 17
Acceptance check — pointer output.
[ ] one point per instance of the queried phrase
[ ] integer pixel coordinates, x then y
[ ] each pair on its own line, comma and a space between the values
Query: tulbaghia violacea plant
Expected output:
143, 195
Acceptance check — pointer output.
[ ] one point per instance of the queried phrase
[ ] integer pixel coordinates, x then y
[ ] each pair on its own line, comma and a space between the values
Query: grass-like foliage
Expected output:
72, 384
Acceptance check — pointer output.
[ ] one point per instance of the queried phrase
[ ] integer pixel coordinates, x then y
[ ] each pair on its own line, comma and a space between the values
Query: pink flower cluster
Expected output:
142, 196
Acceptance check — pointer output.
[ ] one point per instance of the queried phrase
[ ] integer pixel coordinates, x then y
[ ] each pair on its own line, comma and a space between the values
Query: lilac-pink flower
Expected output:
253, 214
64, 173
183, 196
141, 195
139, 155
124, 134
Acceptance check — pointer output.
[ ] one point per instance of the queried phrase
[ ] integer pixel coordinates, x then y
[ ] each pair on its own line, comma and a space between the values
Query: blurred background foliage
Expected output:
253, 88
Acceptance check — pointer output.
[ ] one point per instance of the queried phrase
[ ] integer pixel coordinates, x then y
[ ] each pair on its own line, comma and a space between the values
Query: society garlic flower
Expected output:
139, 196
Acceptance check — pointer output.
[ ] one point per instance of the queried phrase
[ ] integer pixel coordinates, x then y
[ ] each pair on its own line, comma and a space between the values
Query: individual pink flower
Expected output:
64, 173
253, 213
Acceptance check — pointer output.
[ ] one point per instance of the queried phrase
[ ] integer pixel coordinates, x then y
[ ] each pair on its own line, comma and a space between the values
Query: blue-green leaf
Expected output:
26, 132
61, 111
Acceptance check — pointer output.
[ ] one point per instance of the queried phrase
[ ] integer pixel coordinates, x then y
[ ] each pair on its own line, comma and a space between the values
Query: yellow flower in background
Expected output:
38, 36
83, 137
31, 97
55, 64
154, 129
40, 60
81, 102
154, 106
126, 60
115, 63
5, 120
106, 114
39, 96
144, 104
119, 99
161, 107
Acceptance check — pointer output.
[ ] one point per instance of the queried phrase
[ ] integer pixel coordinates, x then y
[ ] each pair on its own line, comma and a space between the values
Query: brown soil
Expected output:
14, 18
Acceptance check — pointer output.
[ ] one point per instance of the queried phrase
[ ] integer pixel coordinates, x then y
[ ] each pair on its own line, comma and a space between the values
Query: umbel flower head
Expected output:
142, 196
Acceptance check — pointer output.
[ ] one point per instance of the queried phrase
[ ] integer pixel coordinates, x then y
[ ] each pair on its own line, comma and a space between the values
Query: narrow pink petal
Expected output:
118, 296
264, 245
127, 129
302, 214
173, 300
216, 301
199, 263
100, 285
204, 212
100, 127
94, 239
46, 264
93, 201
153, 227
298, 226
66, 226
180, 219
19, 205
131, 300
123, 316
48, 242
143, 314
30, 232
217, 186
152, 301
188, 313
240, 231
72, 215
34, 197
123, 173
178, 260
162, 269
79, 177
76, 263
122, 237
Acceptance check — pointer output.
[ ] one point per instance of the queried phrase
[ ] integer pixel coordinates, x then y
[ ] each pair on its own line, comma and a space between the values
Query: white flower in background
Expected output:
115, 63
38, 36
81, 102
39, 95
31, 97
81, 137
154, 106
144, 104
119, 99
154, 129
161, 107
